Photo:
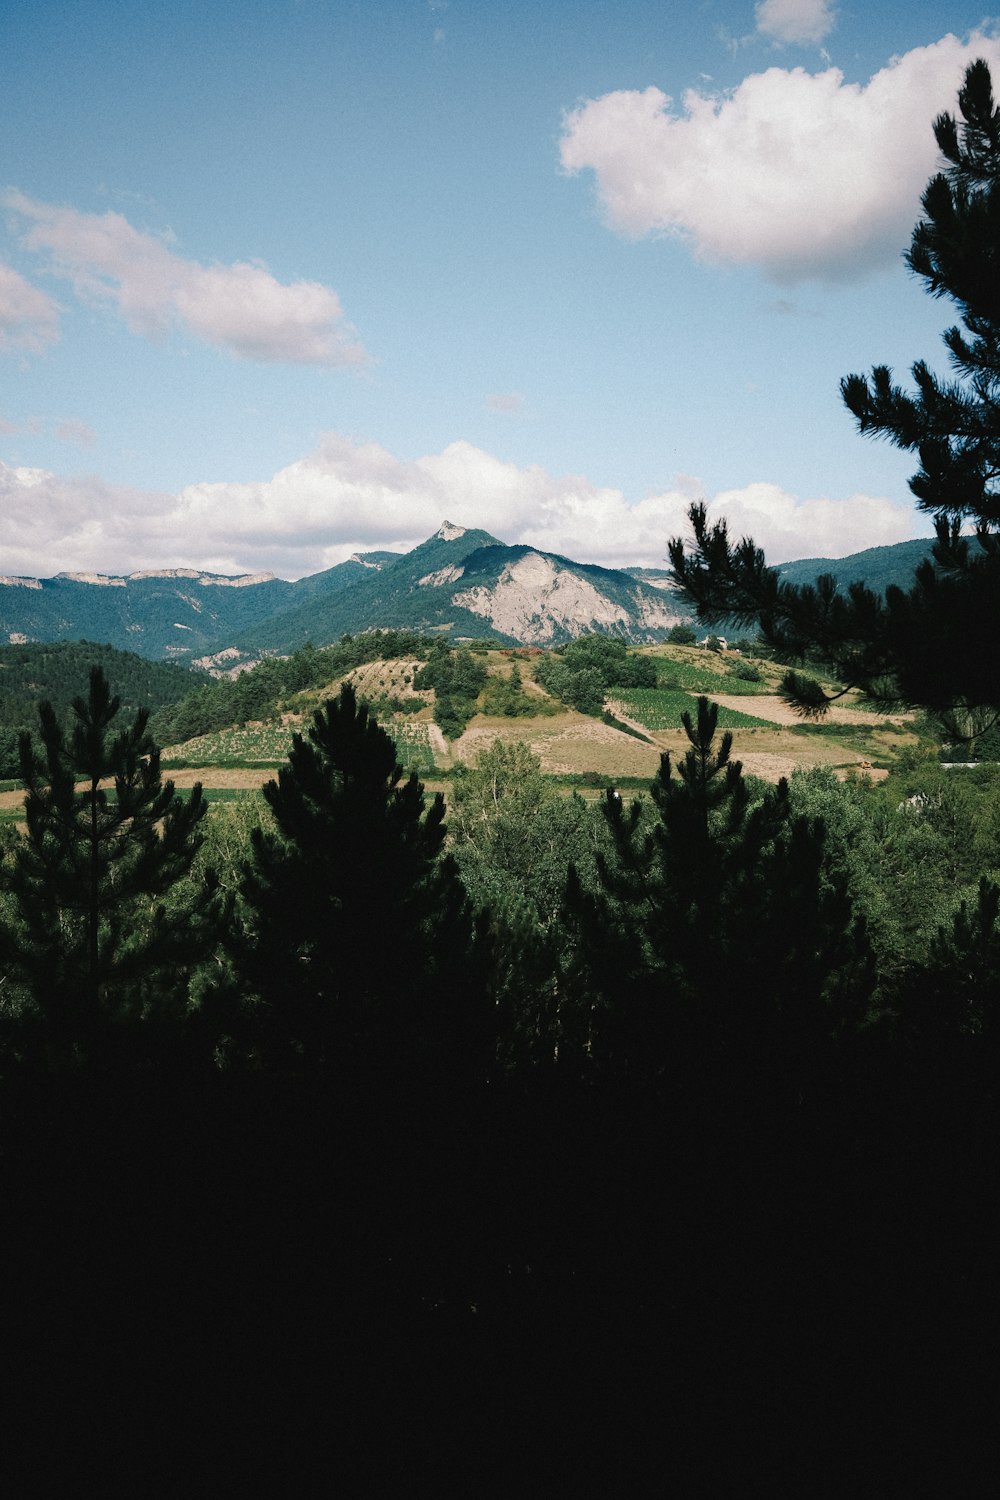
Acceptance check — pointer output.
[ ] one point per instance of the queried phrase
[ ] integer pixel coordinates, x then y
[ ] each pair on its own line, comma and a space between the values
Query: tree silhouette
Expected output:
360, 942
718, 921
917, 646
87, 934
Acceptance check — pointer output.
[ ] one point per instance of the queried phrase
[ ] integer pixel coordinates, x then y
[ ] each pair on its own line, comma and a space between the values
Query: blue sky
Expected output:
283, 281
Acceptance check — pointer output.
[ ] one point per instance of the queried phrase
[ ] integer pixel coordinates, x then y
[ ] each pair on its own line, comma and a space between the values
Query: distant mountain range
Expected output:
462, 583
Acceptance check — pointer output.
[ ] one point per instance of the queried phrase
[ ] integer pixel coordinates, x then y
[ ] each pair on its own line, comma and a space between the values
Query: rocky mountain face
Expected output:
460, 582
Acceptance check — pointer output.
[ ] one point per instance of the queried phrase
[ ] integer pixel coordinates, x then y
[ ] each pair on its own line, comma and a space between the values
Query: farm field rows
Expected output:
661, 709
769, 737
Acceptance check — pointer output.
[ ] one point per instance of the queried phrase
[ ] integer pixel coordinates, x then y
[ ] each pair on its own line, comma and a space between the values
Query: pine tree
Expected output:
921, 646
719, 926
86, 932
360, 942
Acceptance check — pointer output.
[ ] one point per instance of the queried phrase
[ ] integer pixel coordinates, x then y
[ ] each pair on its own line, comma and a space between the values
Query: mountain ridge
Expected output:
460, 582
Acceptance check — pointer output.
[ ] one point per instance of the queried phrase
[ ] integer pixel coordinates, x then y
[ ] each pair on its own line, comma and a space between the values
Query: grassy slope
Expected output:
569, 743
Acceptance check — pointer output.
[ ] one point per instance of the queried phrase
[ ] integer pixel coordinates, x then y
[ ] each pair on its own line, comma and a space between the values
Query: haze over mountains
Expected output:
461, 582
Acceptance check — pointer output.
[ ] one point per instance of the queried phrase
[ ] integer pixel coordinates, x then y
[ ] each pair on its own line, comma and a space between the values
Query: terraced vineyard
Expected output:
661, 708
267, 746
695, 676
250, 745
413, 745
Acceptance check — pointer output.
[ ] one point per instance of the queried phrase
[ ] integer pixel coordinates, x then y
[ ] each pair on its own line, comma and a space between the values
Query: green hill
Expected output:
878, 567
58, 671
179, 613
460, 583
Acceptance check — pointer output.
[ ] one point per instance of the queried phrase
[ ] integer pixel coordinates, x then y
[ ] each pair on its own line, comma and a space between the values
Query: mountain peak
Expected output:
449, 533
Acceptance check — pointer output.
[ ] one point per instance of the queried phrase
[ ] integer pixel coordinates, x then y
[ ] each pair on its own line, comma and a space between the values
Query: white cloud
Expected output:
29, 319
788, 528
795, 21
241, 308
54, 523
802, 174
346, 497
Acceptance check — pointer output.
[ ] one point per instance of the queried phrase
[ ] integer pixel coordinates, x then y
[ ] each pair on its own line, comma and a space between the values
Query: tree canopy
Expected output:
359, 927
923, 645
89, 934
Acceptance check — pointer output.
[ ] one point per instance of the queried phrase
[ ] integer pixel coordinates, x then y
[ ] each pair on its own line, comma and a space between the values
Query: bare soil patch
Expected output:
773, 708
565, 744
211, 777
572, 743
249, 779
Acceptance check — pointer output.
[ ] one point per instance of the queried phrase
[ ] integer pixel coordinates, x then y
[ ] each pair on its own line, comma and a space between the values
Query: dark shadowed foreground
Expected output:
655, 1185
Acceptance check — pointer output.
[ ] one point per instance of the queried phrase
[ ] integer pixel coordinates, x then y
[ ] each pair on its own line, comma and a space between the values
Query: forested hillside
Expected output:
878, 568
460, 582
57, 672
260, 692
177, 614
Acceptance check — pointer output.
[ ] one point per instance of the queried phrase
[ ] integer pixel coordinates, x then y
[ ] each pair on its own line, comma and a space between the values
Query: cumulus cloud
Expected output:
29, 319
55, 523
241, 308
803, 174
804, 22
346, 497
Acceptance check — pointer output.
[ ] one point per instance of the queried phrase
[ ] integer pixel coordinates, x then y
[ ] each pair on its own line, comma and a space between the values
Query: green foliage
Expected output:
580, 673
953, 997
909, 850
614, 723
661, 708
89, 934
617, 665
719, 920
582, 689
259, 745
457, 678
920, 646
513, 841
682, 635
704, 675
53, 672
259, 693
585, 691
504, 696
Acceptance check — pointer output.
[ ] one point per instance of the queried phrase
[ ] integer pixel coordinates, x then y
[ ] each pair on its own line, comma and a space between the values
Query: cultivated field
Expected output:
769, 738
